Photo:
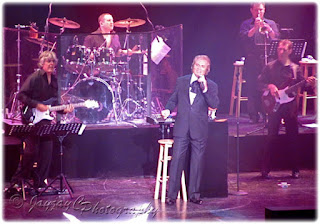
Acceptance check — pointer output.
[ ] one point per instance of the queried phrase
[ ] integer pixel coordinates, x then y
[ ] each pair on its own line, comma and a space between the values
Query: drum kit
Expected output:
100, 76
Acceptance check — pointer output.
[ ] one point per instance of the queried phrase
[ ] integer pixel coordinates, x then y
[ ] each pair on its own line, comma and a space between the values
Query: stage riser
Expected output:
134, 152
251, 149
126, 152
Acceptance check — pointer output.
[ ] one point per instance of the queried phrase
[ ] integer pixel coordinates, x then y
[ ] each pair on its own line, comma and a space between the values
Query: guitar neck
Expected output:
62, 107
295, 87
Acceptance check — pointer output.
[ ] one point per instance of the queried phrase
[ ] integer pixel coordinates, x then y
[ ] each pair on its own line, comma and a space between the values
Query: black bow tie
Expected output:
195, 87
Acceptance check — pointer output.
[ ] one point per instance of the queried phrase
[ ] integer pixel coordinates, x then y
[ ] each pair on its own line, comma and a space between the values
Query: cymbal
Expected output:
12, 65
64, 23
40, 41
129, 23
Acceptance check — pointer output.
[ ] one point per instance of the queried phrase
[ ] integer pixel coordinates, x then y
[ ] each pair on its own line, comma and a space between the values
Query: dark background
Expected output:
210, 29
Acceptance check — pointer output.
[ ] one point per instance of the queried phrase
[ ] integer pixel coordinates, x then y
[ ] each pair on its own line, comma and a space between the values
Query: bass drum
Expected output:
93, 88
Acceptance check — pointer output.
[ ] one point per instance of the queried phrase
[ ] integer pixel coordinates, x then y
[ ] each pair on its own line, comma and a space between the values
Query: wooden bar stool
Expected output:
305, 65
162, 171
238, 69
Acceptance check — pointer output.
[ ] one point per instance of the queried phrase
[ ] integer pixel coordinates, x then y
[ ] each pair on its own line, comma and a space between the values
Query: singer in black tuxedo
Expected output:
192, 96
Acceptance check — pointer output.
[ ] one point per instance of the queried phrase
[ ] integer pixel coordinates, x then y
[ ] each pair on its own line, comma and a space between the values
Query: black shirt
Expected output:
36, 89
280, 75
250, 43
96, 40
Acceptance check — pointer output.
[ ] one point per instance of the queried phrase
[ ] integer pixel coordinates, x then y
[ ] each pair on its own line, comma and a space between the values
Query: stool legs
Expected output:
160, 159
162, 174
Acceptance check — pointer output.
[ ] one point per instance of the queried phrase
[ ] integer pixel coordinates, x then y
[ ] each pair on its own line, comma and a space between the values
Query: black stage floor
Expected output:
131, 200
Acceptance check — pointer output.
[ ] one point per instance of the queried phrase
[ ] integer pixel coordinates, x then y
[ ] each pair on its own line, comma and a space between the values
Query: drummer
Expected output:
105, 40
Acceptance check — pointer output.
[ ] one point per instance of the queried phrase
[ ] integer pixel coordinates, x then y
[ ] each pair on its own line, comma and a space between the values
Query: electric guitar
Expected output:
272, 104
34, 116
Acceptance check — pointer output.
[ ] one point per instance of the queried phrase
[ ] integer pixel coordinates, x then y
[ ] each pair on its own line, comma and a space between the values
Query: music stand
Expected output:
61, 131
298, 49
22, 131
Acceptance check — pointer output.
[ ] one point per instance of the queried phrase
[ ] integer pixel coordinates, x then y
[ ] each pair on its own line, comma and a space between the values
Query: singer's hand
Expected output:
165, 113
203, 83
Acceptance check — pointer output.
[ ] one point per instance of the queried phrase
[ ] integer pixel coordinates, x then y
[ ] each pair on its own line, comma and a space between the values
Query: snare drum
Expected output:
76, 57
97, 89
104, 59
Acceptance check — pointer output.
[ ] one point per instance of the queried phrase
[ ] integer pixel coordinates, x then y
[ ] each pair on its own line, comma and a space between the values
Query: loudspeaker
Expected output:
290, 213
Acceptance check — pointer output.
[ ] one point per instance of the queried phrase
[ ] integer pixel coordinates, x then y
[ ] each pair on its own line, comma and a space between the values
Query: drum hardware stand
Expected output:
16, 105
46, 31
62, 29
126, 46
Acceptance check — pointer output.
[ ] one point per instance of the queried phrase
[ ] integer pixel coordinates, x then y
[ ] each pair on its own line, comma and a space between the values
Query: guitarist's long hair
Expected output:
45, 56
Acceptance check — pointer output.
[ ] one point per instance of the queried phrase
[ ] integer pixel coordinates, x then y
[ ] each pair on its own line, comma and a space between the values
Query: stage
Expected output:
131, 199
116, 165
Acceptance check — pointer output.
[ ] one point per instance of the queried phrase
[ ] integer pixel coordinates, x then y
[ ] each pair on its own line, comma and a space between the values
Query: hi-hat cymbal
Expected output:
129, 23
40, 41
64, 23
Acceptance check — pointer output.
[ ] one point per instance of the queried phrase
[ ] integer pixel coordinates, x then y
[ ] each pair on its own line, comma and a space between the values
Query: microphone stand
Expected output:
238, 192
266, 36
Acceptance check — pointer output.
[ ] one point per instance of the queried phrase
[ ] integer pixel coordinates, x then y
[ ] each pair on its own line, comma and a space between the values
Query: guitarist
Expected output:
39, 86
276, 76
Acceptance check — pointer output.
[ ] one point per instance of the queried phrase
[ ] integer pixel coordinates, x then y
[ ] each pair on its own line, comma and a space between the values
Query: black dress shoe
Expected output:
196, 201
170, 201
295, 174
265, 175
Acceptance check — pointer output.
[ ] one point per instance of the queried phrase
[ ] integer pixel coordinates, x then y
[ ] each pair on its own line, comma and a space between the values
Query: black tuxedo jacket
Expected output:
192, 120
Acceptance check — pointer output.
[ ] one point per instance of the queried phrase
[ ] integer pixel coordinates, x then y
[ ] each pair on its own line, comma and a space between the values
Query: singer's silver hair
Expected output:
257, 3
46, 55
203, 57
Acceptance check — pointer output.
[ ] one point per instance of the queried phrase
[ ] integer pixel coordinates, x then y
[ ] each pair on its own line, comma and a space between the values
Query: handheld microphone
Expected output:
201, 83
202, 86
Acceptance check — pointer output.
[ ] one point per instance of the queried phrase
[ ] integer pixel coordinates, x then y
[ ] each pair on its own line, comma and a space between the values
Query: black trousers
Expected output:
178, 163
37, 149
289, 113
253, 68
